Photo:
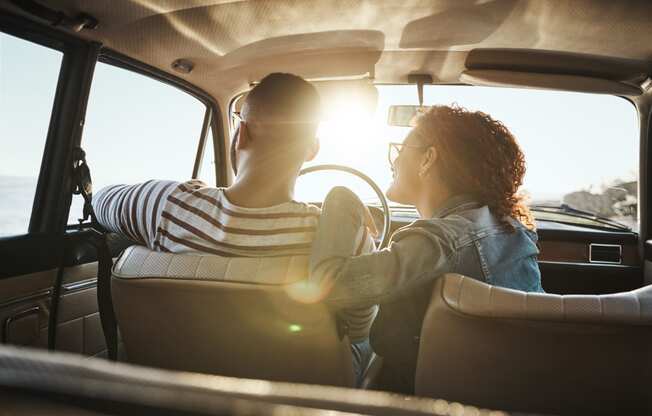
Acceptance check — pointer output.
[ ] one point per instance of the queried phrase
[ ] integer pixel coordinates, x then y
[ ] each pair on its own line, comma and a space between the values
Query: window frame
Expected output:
66, 118
115, 59
111, 57
40, 248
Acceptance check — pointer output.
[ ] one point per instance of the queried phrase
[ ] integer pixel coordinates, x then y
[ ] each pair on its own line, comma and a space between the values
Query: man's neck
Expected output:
259, 191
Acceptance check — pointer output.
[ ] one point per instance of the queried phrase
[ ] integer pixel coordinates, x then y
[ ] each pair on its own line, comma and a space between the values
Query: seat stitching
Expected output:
638, 302
601, 309
459, 294
197, 267
226, 271
260, 263
491, 301
169, 266
141, 270
563, 310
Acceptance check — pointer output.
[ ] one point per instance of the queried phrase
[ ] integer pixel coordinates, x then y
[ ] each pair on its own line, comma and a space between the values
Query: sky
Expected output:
571, 141
138, 129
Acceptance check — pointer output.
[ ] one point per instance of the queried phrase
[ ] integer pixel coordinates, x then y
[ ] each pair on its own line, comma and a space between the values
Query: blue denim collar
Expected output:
455, 204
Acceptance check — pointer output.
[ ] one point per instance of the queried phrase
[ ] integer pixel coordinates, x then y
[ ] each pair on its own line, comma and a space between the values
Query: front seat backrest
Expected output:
191, 312
500, 348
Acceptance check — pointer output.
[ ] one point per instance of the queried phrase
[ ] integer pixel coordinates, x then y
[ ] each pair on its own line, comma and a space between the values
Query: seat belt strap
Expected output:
84, 187
104, 299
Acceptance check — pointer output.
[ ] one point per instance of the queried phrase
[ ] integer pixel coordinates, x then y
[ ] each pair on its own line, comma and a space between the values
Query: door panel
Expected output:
568, 278
24, 310
566, 267
25, 300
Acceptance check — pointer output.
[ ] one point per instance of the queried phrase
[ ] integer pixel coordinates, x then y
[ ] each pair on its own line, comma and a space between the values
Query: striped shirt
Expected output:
193, 217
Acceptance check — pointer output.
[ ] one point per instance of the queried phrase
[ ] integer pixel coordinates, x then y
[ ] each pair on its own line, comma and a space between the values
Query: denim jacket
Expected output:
487, 250
462, 237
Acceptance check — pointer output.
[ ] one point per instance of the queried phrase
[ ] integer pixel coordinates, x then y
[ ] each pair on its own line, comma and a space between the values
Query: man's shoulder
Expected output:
306, 207
199, 184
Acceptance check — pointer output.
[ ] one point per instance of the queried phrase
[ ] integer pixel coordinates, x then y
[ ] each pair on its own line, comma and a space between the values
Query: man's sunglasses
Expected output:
395, 150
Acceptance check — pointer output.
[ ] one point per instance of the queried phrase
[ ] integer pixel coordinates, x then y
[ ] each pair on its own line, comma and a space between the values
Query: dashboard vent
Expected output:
605, 253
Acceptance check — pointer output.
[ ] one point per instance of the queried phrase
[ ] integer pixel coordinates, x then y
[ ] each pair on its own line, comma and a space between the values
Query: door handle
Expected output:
22, 328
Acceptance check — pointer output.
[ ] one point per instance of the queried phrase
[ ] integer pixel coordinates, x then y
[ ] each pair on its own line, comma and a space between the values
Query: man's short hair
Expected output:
280, 105
282, 98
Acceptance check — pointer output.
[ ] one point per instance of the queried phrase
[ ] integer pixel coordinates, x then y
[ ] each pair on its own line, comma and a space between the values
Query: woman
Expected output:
462, 171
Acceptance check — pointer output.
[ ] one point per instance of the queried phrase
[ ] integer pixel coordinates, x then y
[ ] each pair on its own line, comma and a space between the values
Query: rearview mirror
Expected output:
403, 115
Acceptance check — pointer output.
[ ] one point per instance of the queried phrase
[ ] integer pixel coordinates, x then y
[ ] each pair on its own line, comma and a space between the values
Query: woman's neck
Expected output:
431, 201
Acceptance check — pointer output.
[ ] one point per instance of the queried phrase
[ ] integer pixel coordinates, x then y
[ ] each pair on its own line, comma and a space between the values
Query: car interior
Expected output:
125, 91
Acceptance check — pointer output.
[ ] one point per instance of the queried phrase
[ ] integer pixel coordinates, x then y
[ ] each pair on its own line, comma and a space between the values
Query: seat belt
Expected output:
84, 187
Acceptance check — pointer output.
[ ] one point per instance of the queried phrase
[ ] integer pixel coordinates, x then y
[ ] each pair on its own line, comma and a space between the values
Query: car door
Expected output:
45, 78
140, 125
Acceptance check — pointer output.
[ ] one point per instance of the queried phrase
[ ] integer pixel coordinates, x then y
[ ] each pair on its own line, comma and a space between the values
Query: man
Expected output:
254, 217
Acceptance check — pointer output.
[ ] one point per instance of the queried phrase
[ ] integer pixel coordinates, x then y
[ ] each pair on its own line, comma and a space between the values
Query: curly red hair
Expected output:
479, 156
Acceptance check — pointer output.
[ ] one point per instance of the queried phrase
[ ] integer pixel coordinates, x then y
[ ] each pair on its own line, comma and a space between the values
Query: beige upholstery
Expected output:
503, 348
234, 43
174, 313
139, 262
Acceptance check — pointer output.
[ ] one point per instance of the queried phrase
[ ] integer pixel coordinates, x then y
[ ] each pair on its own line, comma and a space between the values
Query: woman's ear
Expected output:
428, 160
313, 150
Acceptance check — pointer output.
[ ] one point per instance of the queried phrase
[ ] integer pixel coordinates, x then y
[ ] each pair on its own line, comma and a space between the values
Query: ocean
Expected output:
16, 198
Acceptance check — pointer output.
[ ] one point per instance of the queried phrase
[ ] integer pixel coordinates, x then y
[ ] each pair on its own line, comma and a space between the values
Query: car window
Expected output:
580, 149
28, 82
137, 129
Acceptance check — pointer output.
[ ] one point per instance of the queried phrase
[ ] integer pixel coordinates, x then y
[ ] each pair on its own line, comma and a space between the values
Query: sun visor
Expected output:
578, 83
555, 70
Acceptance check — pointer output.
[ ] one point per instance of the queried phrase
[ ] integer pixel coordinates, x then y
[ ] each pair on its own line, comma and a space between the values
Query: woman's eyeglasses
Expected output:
395, 150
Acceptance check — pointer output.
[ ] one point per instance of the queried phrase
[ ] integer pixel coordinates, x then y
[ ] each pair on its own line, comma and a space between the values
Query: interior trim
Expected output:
558, 62
578, 83
589, 265
81, 285
44, 293
23, 299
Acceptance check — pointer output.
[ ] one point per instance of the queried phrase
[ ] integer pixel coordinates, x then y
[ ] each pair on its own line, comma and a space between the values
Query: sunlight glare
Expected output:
347, 124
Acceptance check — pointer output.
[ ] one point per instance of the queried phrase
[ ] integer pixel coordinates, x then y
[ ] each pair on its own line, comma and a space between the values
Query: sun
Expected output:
348, 125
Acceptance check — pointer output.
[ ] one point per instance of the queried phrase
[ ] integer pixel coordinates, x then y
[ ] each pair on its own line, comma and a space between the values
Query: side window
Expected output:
137, 129
28, 82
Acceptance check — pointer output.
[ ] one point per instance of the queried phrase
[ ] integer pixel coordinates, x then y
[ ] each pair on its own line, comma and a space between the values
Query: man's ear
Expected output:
243, 139
313, 150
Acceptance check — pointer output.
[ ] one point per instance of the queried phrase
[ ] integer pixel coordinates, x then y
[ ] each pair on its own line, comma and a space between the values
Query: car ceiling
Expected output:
234, 43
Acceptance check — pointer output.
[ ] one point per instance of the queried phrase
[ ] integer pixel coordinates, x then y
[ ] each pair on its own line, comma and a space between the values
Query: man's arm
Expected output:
416, 255
133, 211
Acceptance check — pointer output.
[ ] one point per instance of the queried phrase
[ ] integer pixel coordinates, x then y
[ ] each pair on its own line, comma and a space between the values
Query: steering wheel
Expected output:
387, 215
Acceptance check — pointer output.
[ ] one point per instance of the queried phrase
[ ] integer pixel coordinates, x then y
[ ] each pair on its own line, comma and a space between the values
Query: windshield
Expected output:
580, 149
